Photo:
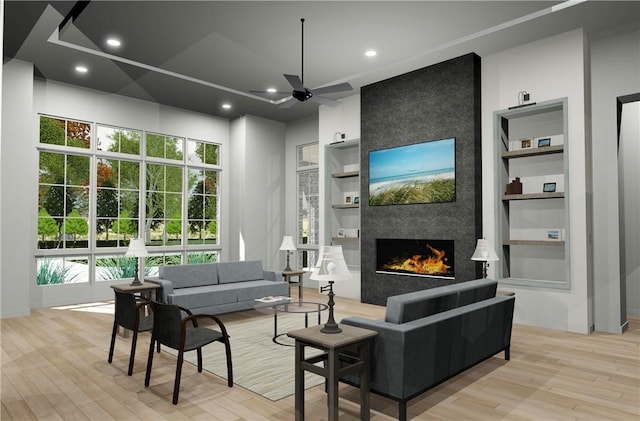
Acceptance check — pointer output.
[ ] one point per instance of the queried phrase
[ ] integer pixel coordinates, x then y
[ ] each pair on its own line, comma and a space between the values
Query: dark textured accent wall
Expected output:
435, 102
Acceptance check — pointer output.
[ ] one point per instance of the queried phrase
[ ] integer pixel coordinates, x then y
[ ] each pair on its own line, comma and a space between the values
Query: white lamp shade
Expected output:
137, 248
287, 243
484, 252
331, 265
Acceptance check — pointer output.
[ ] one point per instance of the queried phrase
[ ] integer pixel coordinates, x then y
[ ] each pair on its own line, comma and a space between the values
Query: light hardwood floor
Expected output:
54, 367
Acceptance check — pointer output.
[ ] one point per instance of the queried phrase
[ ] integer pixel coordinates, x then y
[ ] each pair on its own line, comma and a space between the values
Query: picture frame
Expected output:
544, 142
349, 197
341, 232
525, 143
554, 235
356, 200
549, 187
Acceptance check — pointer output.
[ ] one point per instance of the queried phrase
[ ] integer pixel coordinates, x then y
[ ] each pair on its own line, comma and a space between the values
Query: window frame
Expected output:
92, 252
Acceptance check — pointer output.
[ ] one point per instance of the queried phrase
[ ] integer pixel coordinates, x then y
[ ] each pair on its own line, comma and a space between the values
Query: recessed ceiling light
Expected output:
226, 106
82, 69
113, 42
272, 90
370, 53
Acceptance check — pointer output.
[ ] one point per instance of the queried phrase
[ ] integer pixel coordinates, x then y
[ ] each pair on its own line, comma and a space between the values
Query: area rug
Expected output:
260, 365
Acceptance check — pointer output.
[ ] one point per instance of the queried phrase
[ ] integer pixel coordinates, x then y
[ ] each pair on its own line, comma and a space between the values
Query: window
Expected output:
203, 206
163, 205
117, 202
96, 196
63, 200
62, 270
307, 204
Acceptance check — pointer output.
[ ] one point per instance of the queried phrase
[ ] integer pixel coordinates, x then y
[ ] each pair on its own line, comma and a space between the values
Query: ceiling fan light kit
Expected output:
302, 93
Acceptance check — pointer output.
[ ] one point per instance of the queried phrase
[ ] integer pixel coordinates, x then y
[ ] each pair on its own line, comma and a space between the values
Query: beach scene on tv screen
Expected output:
419, 173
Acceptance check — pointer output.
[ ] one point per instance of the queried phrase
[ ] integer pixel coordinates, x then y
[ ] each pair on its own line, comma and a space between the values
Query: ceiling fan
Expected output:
301, 93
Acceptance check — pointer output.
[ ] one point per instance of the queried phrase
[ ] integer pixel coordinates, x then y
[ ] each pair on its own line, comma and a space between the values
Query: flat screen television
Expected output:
418, 173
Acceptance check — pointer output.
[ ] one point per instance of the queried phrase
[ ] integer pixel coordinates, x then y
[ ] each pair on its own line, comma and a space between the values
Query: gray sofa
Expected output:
430, 336
216, 288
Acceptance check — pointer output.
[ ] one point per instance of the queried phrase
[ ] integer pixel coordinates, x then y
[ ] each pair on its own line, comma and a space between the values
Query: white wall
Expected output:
615, 66
18, 190
258, 189
548, 69
345, 119
20, 163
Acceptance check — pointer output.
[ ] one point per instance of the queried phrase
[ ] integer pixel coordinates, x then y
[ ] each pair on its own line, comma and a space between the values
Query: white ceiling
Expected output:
198, 54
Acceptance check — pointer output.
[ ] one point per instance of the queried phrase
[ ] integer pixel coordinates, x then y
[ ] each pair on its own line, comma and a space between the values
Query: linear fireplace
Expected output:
430, 258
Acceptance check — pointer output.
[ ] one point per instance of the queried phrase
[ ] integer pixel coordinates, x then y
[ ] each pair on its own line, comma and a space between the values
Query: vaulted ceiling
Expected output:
197, 55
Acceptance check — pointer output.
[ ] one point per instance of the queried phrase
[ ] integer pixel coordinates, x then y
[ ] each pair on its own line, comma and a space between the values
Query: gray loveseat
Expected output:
216, 288
430, 336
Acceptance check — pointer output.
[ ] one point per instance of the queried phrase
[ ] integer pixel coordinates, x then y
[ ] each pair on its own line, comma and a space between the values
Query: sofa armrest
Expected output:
273, 275
389, 359
167, 287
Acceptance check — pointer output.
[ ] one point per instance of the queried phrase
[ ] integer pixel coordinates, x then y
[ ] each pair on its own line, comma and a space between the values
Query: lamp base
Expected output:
136, 282
333, 328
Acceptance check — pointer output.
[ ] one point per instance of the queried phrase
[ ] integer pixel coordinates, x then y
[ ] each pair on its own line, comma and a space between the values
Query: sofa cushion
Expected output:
415, 305
184, 276
239, 271
250, 290
204, 296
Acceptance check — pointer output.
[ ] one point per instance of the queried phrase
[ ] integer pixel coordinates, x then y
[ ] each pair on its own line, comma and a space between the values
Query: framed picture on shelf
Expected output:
525, 143
549, 187
356, 200
554, 235
543, 142
349, 197
340, 232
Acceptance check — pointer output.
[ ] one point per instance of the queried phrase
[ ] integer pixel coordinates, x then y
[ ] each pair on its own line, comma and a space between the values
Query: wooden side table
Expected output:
337, 364
146, 289
292, 273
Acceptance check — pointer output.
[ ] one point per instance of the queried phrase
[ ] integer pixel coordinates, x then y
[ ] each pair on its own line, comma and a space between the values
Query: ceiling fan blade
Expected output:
288, 103
341, 87
269, 93
325, 101
295, 82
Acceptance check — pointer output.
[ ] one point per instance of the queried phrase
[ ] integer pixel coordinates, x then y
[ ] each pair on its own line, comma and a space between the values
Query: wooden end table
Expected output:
145, 289
290, 274
332, 345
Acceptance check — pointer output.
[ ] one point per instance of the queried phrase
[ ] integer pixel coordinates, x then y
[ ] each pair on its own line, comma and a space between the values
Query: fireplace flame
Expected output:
434, 264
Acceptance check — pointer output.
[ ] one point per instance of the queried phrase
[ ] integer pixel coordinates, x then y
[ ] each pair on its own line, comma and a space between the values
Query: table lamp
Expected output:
136, 249
484, 253
331, 267
288, 246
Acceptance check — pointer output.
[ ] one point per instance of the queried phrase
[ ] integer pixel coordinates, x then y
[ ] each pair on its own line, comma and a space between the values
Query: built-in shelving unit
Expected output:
532, 221
342, 160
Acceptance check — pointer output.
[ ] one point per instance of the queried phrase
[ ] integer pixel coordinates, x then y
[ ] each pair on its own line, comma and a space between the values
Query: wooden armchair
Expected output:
172, 330
130, 314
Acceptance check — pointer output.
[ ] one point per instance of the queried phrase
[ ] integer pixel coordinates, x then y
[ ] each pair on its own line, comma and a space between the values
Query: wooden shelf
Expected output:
346, 206
533, 196
344, 238
346, 174
533, 243
521, 153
